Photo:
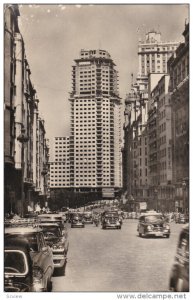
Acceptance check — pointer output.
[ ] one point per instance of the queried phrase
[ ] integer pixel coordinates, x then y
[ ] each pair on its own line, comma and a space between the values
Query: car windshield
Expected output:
58, 218
88, 215
50, 218
77, 216
14, 262
52, 231
31, 238
112, 218
112, 215
153, 218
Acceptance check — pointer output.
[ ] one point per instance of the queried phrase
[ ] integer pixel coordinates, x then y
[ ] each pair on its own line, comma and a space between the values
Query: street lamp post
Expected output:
156, 198
22, 138
184, 195
44, 173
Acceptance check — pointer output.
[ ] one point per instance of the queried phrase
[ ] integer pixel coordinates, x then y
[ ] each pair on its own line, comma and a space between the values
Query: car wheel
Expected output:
167, 236
61, 271
49, 286
140, 235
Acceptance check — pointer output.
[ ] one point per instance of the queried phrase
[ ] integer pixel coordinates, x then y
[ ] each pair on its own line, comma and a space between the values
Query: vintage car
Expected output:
51, 218
111, 221
88, 217
179, 277
77, 220
57, 239
41, 254
18, 272
111, 213
153, 224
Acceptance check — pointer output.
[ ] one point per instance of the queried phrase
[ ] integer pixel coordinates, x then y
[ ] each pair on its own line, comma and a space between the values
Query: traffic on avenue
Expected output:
100, 249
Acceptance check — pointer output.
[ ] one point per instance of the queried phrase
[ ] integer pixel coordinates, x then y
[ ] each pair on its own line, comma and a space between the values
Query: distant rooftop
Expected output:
94, 53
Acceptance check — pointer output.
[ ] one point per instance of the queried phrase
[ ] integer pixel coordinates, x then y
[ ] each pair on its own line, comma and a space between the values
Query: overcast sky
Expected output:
54, 35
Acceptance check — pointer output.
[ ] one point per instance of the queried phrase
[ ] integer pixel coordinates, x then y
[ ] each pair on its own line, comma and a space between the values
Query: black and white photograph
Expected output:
96, 150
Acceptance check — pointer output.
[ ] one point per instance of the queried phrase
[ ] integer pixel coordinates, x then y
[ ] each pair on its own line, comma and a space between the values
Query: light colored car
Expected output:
41, 254
57, 239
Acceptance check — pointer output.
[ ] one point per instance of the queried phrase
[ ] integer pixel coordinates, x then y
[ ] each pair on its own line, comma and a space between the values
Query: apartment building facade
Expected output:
153, 54
161, 189
25, 145
60, 166
179, 88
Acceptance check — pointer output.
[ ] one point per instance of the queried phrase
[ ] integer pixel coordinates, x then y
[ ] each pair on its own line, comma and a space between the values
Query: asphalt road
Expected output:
117, 260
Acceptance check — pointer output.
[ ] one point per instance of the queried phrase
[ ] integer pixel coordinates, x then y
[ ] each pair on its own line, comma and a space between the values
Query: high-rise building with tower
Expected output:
95, 141
153, 54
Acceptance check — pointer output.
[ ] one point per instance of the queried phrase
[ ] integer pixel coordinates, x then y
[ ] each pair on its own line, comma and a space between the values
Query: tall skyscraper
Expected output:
95, 142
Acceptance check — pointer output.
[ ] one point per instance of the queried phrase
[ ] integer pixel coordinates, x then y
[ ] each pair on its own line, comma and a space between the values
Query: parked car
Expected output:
41, 254
18, 272
179, 277
77, 220
57, 239
153, 224
111, 221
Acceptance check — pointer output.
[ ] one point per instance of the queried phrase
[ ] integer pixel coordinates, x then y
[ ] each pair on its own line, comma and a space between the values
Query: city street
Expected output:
116, 79
117, 260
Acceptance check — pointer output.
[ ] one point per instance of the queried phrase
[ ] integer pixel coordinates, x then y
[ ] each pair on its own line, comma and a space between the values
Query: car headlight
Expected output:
37, 273
166, 226
37, 279
58, 246
149, 227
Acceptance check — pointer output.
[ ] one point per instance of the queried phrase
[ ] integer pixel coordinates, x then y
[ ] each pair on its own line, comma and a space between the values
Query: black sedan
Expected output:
77, 221
179, 277
18, 275
153, 224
